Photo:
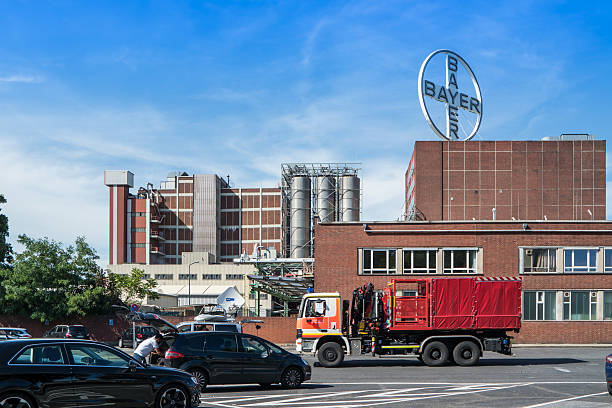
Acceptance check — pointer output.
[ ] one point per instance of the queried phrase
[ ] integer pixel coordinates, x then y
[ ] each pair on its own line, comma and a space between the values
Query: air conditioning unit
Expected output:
566, 294
529, 252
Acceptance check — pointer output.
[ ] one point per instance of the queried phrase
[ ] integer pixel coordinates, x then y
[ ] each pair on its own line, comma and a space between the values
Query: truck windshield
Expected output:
301, 312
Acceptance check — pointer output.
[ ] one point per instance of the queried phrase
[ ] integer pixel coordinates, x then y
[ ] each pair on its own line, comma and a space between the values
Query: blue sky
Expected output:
237, 88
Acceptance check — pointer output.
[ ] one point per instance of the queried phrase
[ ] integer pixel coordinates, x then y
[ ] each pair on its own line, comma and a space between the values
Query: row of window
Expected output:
392, 261
206, 276
575, 260
388, 261
567, 305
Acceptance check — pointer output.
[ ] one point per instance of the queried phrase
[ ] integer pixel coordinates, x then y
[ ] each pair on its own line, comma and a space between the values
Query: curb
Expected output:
562, 345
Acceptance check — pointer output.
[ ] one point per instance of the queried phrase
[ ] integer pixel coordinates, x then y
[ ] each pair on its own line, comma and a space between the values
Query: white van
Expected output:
209, 326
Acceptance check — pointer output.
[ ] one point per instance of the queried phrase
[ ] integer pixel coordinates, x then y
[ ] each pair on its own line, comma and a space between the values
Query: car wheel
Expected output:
16, 400
172, 396
330, 355
466, 353
120, 342
200, 376
291, 378
435, 354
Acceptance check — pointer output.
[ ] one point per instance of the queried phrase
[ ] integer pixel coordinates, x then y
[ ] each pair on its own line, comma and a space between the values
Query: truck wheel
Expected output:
330, 355
466, 353
435, 354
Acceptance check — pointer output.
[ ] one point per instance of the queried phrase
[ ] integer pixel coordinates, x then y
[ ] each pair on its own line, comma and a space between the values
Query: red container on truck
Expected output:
437, 319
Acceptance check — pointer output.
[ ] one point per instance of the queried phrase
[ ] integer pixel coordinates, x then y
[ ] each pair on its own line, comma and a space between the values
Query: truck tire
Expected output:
435, 354
466, 353
330, 355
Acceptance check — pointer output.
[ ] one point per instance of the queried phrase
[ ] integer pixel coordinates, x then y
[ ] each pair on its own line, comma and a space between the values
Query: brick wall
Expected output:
337, 244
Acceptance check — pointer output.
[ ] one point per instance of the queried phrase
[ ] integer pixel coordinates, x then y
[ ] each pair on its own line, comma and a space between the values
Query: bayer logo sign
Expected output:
450, 96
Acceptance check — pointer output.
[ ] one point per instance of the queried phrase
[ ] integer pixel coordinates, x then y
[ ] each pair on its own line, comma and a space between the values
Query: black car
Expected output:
72, 331
234, 358
54, 373
142, 333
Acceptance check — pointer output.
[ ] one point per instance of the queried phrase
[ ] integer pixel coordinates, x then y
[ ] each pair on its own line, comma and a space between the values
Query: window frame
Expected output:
539, 302
467, 269
607, 268
379, 271
571, 269
424, 271
522, 256
567, 301
65, 360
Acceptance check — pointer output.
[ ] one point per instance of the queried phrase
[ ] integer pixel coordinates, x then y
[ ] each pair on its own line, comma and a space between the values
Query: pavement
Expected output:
533, 377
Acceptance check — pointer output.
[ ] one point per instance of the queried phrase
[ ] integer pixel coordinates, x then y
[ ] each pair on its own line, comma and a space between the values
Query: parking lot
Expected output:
534, 377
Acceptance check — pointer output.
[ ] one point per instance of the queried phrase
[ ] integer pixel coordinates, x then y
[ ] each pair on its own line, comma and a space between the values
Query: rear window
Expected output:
226, 328
40, 355
78, 330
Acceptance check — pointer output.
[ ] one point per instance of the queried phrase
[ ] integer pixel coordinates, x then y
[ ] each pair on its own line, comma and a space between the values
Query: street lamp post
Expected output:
189, 280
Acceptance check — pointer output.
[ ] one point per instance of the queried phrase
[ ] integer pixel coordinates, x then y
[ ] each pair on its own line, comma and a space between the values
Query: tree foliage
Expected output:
50, 282
5, 247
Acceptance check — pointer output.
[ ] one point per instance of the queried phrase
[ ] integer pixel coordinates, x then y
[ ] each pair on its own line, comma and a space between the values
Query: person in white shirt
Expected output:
150, 345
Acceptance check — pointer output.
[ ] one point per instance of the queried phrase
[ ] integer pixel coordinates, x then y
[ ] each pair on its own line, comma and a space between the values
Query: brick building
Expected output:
534, 180
189, 213
549, 229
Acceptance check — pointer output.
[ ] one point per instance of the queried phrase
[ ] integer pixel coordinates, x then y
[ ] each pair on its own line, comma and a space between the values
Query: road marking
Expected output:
565, 399
563, 370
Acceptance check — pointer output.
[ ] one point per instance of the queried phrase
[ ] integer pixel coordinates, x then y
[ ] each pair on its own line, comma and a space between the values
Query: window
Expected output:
580, 260
539, 260
419, 261
139, 230
211, 276
608, 260
221, 342
540, 305
607, 312
320, 308
579, 305
97, 356
379, 261
253, 346
262, 296
40, 355
460, 260
234, 276
186, 276
226, 328
167, 276
139, 245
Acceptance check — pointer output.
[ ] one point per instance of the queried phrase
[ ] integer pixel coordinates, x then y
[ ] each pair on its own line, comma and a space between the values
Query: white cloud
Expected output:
27, 79
53, 198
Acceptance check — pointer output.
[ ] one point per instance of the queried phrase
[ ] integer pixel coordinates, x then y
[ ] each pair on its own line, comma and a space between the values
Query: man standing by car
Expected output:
150, 345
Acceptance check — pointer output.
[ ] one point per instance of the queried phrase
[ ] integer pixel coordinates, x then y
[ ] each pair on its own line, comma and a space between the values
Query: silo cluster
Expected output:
331, 197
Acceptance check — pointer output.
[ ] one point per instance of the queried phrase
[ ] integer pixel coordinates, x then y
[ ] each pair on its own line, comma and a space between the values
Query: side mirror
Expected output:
265, 354
132, 366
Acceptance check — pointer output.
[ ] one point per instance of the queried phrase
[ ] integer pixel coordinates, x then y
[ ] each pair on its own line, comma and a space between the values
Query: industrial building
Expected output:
233, 232
529, 209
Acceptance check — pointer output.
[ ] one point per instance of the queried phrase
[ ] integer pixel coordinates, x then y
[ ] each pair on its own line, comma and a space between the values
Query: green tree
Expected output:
50, 282
133, 287
5, 247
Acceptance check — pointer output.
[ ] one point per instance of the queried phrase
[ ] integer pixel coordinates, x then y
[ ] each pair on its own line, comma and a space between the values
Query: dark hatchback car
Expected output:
234, 358
54, 373
72, 331
142, 333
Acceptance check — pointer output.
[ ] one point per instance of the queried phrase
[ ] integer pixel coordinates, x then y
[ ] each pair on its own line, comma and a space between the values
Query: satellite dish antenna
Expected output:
230, 299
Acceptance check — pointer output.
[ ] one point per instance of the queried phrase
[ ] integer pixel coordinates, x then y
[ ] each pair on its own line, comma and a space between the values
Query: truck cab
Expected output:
320, 316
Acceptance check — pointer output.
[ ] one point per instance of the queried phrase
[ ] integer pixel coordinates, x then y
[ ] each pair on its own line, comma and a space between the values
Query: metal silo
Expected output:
300, 217
326, 198
350, 198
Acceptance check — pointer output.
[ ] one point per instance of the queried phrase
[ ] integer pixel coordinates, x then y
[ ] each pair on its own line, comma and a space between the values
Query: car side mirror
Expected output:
132, 366
265, 354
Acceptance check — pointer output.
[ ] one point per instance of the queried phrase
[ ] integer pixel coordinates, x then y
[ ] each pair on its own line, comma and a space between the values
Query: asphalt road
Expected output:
534, 377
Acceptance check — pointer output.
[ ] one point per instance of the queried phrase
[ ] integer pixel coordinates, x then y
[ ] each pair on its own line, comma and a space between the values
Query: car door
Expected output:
258, 365
103, 377
46, 367
223, 359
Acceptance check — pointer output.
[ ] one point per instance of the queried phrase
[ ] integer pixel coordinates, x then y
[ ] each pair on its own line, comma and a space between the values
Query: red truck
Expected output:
438, 319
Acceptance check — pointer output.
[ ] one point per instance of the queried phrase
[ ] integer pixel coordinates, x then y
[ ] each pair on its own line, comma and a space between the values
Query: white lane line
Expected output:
565, 399
461, 383
563, 370
301, 400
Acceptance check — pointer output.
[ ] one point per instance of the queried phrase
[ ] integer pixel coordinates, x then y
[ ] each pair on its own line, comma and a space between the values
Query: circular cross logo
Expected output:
451, 97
